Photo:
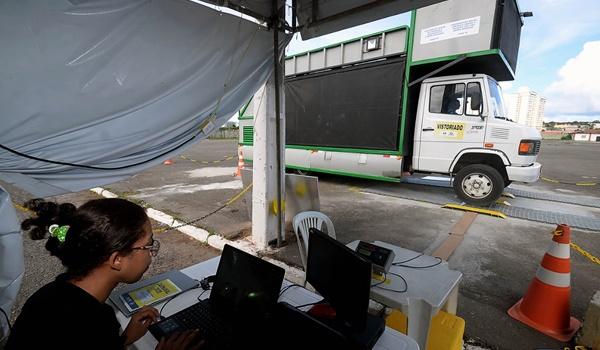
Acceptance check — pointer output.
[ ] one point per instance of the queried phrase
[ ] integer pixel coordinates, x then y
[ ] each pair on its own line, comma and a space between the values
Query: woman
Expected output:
101, 244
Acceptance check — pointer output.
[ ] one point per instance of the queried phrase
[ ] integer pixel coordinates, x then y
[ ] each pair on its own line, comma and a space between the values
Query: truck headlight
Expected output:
529, 147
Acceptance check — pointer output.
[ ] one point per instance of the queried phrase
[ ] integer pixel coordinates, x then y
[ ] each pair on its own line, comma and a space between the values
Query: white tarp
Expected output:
11, 262
115, 84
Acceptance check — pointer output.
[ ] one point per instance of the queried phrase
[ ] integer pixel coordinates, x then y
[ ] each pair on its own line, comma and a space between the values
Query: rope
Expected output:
208, 161
186, 223
559, 232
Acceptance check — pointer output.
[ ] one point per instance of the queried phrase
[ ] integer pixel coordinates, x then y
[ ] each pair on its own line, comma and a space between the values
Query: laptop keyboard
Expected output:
197, 316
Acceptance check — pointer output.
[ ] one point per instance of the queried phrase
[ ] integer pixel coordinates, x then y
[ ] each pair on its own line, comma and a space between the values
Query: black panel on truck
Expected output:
353, 107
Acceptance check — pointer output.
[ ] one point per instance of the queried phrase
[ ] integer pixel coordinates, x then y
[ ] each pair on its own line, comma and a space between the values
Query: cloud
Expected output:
544, 32
506, 85
577, 90
561, 37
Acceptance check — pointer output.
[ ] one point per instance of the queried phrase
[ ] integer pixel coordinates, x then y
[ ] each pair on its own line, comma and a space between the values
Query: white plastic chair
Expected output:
303, 222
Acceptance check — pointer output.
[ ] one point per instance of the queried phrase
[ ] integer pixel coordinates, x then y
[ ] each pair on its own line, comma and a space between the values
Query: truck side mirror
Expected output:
475, 100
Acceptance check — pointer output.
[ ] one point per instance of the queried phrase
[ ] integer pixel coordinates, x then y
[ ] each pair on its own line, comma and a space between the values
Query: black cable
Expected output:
378, 285
175, 296
315, 303
402, 263
403, 280
91, 166
201, 294
381, 282
284, 289
165, 304
7, 318
422, 267
405, 261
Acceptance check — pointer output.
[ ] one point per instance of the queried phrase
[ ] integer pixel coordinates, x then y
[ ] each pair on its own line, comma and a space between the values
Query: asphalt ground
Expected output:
498, 257
570, 161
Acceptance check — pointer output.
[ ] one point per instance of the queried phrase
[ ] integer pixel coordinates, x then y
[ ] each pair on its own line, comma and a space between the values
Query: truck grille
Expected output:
537, 144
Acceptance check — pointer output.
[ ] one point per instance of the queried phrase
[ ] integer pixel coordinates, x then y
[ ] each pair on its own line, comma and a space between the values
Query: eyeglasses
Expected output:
153, 248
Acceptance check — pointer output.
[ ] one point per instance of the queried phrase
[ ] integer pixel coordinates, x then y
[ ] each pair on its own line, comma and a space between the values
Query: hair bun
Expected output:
47, 213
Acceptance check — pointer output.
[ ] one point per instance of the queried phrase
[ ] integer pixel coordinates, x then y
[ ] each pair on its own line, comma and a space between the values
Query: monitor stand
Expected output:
369, 336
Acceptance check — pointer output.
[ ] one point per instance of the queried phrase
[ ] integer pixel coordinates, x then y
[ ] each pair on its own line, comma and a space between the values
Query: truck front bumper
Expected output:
529, 173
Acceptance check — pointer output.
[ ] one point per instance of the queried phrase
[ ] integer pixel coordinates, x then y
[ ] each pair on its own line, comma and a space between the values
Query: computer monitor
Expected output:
245, 287
341, 276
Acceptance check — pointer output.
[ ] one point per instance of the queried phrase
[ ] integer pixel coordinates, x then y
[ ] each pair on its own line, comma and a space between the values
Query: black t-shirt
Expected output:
63, 316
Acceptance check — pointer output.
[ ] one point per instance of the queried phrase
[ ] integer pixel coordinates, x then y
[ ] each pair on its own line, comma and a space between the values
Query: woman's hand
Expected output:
139, 323
181, 341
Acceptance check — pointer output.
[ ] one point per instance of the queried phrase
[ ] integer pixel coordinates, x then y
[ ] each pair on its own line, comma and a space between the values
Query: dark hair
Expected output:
97, 229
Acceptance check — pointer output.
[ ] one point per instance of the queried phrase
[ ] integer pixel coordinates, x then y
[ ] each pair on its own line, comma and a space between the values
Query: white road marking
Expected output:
564, 190
169, 190
211, 172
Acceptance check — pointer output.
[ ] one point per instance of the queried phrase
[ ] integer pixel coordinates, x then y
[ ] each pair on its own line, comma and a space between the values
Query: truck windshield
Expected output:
497, 102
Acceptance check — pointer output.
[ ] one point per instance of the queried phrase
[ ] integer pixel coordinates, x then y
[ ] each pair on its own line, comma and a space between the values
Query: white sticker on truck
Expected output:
463, 27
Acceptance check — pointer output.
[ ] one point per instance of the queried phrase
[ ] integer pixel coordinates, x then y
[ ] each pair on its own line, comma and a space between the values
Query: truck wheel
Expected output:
478, 184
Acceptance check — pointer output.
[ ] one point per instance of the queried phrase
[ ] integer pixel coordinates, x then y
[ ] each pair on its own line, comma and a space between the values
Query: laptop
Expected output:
242, 301
297, 329
343, 278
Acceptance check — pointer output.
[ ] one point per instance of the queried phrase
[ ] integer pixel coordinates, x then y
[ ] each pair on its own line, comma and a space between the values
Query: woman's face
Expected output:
139, 259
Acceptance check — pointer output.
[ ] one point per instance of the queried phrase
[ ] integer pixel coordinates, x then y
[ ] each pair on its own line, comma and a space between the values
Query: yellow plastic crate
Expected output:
446, 331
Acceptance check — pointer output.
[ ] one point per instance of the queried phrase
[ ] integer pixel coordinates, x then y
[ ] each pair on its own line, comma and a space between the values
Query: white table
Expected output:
389, 340
429, 290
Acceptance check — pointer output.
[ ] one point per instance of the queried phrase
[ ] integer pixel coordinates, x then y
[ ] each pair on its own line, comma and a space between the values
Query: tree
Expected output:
567, 137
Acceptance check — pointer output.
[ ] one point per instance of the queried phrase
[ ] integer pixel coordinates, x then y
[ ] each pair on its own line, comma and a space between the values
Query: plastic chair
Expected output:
303, 222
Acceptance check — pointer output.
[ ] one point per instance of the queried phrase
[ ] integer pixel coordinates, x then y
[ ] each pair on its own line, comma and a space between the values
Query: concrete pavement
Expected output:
498, 257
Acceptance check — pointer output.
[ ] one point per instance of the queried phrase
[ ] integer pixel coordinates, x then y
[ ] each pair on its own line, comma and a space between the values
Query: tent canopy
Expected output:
320, 17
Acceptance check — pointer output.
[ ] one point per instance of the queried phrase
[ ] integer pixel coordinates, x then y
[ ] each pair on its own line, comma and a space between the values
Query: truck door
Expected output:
451, 121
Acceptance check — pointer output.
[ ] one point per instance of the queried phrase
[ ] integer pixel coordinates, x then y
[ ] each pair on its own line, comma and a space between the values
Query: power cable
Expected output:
7, 318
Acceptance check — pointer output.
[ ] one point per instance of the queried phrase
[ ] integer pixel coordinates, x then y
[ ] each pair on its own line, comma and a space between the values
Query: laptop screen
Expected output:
341, 276
245, 286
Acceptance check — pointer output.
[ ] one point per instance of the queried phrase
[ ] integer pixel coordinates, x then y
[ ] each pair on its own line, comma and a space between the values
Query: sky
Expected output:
559, 55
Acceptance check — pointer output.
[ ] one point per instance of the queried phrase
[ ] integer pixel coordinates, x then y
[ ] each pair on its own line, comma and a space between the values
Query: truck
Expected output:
423, 98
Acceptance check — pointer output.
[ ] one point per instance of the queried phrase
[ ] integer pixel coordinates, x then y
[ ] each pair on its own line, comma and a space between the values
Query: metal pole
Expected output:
294, 16
276, 70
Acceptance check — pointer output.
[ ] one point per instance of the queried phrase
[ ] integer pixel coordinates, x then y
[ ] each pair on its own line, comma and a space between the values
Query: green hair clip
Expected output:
60, 232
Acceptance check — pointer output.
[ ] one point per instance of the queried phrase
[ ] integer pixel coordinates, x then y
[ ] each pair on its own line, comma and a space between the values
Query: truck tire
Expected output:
478, 184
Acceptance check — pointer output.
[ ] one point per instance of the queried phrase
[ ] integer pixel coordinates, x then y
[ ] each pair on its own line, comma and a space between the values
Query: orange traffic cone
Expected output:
168, 162
546, 305
240, 166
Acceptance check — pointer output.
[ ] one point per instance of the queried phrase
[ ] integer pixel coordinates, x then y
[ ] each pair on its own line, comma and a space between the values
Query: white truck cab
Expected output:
461, 129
